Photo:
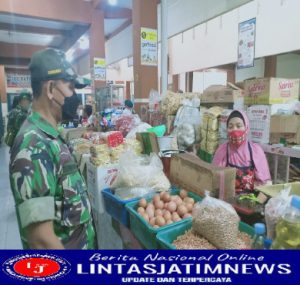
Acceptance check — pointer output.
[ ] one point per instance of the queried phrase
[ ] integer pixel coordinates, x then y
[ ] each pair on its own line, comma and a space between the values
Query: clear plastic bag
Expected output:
217, 221
154, 99
135, 192
275, 208
141, 171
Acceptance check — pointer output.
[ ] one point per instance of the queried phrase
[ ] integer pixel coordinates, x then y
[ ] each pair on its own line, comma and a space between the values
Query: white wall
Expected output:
288, 66
215, 42
184, 14
120, 72
257, 70
119, 47
202, 80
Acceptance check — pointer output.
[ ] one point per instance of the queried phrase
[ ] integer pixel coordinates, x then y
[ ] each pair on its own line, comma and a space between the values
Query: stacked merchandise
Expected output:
108, 147
274, 102
210, 133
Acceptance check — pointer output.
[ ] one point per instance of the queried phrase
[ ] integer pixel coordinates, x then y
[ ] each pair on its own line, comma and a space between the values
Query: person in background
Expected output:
51, 199
128, 110
247, 157
88, 118
17, 116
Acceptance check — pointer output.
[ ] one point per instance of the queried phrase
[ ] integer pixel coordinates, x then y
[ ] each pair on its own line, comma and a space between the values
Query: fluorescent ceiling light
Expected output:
112, 2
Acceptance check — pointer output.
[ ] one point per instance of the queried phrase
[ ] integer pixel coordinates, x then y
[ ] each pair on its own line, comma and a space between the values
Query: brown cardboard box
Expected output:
221, 94
267, 91
193, 174
287, 127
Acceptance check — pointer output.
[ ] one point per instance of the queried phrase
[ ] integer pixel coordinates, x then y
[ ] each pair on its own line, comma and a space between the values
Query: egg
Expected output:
150, 205
175, 216
174, 197
160, 221
166, 197
166, 206
189, 200
189, 207
141, 210
156, 198
152, 221
143, 203
177, 219
146, 217
181, 210
167, 215
187, 215
156, 226
172, 206
168, 222
161, 194
150, 212
182, 194
178, 201
158, 212
159, 205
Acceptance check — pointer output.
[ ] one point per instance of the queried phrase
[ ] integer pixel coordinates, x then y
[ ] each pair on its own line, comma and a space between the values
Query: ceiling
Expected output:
23, 33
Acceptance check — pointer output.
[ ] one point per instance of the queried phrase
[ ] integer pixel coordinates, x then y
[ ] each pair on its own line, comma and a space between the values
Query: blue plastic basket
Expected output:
116, 206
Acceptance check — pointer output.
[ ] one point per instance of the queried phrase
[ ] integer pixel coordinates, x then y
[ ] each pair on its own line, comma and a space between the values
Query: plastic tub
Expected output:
116, 206
143, 231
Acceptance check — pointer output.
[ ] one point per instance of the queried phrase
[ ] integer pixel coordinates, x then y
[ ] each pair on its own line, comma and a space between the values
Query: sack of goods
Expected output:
217, 221
141, 171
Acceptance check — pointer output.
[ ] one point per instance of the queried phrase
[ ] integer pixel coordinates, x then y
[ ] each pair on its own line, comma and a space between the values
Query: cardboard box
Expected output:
221, 94
269, 91
287, 127
193, 174
99, 178
259, 119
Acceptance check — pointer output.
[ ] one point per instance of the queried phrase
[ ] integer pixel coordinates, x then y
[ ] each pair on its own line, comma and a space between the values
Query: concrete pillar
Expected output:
3, 96
144, 15
270, 66
189, 82
175, 82
97, 43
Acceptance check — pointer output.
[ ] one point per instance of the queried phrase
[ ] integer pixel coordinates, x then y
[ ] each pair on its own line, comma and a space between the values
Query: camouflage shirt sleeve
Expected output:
33, 182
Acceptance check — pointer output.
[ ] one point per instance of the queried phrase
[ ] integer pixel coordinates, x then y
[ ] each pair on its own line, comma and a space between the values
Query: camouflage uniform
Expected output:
16, 118
47, 185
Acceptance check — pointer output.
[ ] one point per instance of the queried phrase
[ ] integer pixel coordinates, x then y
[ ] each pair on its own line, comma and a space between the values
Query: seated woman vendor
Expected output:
247, 157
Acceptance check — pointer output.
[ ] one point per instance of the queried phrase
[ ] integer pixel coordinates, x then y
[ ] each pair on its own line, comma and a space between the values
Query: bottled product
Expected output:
259, 237
288, 227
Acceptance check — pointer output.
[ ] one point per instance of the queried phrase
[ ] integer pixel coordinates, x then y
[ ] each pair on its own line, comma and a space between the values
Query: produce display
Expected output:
100, 154
165, 209
217, 221
191, 240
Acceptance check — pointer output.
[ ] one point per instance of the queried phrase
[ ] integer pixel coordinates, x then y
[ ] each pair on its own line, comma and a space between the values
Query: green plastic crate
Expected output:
143, 231
166, 237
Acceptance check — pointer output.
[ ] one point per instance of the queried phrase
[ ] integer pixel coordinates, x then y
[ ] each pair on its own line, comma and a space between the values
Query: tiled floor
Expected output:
9, 233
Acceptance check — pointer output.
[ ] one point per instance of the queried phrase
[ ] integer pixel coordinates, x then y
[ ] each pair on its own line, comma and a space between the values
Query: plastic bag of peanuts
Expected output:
217, 221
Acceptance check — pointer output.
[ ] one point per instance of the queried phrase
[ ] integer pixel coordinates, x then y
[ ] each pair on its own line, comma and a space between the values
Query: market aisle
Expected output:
9, 233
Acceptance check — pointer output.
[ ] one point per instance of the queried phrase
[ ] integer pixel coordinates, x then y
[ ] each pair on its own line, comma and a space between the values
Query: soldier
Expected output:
17, 117
52, 205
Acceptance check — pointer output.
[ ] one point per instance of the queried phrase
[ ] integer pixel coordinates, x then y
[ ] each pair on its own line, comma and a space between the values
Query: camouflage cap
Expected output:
51, 64
25, 94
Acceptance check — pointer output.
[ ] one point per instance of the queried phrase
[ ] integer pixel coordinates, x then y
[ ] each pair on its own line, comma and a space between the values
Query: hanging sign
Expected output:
16, 80
99, 69
148, 47
246, 43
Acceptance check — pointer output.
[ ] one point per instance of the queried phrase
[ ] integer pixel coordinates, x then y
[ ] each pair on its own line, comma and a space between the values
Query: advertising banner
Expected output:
246, 44
148, 47
245, 267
